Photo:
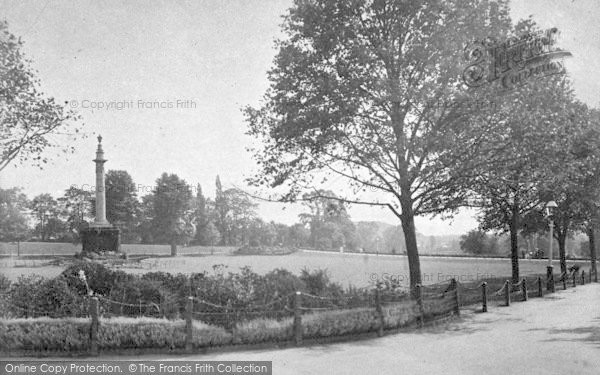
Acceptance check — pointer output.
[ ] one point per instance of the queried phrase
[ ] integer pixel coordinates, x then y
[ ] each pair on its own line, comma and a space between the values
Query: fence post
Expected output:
379, 311
94, 326
524, 289
457, 298
421, 317
484, 297
189, 308
298, 318
582, 277
540, 289
596, 275
551, 286
574, 279
507, 292
564, 280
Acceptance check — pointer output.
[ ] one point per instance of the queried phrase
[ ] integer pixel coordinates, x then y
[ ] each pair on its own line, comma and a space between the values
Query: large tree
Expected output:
355, 92
29, 120
574, 179
122, 206
172, 211
535, 163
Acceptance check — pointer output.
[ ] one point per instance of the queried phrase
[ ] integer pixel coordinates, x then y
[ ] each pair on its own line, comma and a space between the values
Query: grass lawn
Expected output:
346, 269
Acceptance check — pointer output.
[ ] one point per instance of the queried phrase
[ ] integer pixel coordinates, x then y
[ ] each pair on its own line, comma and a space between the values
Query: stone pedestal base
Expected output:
101, 239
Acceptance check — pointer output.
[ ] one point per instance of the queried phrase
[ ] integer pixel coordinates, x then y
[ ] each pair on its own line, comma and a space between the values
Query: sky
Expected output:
164, 82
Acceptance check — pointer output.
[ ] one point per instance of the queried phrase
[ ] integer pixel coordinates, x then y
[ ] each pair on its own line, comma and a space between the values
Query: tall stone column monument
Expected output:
100, 236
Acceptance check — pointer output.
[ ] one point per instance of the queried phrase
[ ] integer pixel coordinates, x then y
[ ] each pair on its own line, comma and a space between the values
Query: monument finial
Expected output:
99, 139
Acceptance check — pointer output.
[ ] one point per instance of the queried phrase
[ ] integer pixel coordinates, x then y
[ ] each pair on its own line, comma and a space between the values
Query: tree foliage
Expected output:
121, 203
13, 219
354, 93
478, 242
29, 120
172, 211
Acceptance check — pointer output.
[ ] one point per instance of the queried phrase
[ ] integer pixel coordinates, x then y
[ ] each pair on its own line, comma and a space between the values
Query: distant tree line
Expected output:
174, 213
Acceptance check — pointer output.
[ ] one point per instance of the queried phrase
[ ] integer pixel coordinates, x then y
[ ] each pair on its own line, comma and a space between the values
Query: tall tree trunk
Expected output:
562, 239
592, 239
173, 249
514, 244
407, 217
410, 238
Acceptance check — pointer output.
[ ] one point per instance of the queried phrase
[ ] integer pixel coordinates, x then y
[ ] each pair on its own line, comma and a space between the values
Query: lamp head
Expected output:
551, 208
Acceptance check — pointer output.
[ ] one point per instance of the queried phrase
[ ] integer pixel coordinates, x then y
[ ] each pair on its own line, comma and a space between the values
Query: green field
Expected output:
346, 269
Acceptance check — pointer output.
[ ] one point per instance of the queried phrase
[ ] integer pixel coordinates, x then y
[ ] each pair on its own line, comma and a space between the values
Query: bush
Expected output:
56, 299
400, 314
4, 284
263, 330
156, 300
44, 334
34, 296
72, 334
22, 294
99, 278
123, 333
339, 322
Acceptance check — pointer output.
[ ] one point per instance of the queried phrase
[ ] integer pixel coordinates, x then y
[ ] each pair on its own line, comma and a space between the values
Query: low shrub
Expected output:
4, 283
437, 307
400, 314
99, 278
263, 330
124, 333
44, 334
33, 295
264, 250
156, 300
339, 322
72, 334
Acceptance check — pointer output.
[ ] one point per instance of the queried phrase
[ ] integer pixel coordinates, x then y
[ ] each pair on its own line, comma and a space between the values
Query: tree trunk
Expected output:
407, 217
592, 239
514, 245
562, 238
173, 249
410, 238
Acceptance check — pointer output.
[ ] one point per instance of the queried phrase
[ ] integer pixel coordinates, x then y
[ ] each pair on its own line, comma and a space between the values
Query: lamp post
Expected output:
550, 208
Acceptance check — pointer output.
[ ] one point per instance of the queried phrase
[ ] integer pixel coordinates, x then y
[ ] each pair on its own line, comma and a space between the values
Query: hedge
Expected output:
72, 334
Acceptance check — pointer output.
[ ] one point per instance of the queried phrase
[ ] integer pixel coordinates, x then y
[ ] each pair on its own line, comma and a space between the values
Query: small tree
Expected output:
77, 208
478, 242
13, 221
210, 234
201, 218
46, 210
